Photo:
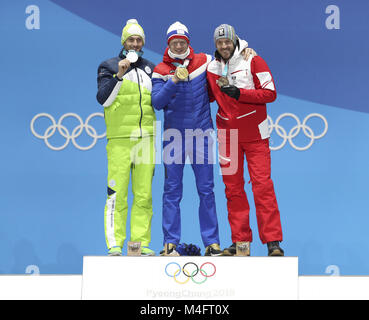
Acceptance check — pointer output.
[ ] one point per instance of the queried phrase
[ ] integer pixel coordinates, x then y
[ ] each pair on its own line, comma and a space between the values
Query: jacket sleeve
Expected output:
264, 91
108, 86
210, 91
162, 92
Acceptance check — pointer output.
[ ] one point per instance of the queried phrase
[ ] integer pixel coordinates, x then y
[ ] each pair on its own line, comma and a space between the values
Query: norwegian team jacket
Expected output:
185, 104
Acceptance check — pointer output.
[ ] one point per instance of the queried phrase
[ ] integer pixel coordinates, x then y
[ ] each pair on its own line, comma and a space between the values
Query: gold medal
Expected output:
222, 81
181, 73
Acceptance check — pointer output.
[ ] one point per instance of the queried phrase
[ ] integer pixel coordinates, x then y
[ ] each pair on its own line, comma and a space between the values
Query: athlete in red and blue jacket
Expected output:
188, 133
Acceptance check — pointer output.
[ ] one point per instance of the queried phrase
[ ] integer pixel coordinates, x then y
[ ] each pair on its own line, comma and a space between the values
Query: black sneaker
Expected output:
213, 250
231, 251
274, 250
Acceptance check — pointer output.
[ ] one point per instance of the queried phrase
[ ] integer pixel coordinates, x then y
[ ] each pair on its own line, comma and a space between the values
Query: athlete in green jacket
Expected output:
124, 89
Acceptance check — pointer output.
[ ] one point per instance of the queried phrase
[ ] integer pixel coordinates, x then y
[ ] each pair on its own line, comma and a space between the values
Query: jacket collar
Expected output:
170, 60
240, 46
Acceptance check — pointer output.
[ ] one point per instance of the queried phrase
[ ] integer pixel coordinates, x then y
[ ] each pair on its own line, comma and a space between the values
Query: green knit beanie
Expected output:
132, 28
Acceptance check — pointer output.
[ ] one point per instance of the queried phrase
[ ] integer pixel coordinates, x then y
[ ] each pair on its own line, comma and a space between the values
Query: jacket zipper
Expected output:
139, 89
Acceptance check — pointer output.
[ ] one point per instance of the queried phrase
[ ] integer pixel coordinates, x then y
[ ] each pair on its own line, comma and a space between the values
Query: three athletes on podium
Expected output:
241, 83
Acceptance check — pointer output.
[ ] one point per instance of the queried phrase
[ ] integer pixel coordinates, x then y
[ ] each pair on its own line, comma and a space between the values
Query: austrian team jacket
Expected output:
248, 114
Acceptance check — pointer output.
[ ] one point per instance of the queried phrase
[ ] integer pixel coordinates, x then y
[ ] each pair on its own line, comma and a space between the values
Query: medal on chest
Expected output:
223, 80
181, 71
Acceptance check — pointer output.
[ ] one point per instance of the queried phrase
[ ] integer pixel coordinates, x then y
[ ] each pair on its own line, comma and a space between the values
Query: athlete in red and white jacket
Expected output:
243, 131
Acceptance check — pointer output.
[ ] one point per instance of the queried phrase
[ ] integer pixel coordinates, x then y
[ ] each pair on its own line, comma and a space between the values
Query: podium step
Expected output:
190, 278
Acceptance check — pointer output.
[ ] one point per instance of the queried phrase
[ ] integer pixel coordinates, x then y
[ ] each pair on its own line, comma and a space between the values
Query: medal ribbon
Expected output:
225, 70
139, 53
184, 65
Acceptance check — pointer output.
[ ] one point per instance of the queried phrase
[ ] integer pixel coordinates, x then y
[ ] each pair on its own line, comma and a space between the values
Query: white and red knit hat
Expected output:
178, 31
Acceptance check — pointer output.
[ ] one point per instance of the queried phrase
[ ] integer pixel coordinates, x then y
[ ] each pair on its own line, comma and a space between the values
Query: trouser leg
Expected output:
237, 203
174, 160
142, 174
267, 213
116, 207
204, 176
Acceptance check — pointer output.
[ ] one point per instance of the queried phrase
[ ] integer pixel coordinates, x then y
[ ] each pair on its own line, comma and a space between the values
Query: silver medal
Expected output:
132, 56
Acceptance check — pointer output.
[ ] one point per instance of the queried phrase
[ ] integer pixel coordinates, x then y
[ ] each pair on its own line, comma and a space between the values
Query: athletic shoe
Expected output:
115, 252
213, 250
169, 250
230, 251
274, 250
146, 252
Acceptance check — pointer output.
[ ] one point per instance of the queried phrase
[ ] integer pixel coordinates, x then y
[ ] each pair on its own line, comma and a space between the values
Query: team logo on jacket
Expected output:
148, 69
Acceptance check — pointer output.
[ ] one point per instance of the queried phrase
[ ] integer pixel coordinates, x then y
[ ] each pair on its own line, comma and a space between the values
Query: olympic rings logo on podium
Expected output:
296, 130
65, 132
191, 270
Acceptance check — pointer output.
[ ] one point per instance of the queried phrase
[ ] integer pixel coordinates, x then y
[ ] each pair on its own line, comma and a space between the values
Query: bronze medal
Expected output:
181, 73
222, 81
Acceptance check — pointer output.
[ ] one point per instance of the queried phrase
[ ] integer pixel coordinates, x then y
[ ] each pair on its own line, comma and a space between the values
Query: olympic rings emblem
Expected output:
191, 272
296, 130
65, 132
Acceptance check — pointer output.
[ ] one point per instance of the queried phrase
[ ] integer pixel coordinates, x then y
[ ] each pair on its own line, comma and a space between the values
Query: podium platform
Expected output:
235, 278
190, 278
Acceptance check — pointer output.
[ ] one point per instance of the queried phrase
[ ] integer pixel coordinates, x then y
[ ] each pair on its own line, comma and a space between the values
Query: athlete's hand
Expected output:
175, 78
246, 53
231, 91
123, 66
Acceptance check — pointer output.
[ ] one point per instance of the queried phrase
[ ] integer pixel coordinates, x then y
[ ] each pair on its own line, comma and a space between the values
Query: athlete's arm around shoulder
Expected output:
264, 91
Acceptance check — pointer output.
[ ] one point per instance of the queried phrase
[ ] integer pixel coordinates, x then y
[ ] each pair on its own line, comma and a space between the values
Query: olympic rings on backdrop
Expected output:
296, 130
65, 132
190, 274
77, 131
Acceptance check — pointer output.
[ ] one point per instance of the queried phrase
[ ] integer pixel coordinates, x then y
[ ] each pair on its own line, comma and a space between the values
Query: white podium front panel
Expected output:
190, 278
